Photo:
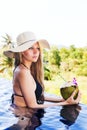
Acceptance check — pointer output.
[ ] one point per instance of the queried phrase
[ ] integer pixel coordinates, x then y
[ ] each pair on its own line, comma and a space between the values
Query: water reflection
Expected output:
28, 123
69, 114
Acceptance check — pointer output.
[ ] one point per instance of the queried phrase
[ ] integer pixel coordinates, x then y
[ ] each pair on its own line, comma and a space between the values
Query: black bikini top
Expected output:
38, 93
38, 90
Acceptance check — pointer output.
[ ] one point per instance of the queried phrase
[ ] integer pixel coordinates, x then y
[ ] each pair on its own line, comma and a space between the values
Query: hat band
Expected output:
26, 42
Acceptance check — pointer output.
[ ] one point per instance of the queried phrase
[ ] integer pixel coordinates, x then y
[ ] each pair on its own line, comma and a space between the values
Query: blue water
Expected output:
54, 118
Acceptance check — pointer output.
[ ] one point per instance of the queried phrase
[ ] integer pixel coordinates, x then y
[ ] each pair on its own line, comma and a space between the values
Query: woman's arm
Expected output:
53, 99
28, 87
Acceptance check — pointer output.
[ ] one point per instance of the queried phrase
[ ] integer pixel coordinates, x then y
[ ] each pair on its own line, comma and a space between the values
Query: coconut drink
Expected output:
68, 88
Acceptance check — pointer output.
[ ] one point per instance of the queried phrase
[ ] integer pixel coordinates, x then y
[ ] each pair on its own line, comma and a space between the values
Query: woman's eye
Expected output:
30, 48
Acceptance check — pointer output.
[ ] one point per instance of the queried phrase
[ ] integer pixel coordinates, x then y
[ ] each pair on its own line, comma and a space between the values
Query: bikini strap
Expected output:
14, 94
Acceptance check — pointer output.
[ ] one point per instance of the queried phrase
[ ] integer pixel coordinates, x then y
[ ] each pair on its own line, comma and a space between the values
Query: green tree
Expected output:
6, 63
54, 57
64, 54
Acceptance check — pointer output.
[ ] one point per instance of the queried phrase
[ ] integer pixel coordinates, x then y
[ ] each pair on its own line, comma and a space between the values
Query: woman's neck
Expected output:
25, 66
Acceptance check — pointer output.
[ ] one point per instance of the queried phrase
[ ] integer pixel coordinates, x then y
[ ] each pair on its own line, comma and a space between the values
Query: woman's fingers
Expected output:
77, 100
71, 99
73, 94
79, 97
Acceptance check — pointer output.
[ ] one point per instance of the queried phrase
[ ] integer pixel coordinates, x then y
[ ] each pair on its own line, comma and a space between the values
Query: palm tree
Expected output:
6, 63
7, 39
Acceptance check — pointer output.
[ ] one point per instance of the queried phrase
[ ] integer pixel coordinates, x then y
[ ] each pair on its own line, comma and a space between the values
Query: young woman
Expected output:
28, 86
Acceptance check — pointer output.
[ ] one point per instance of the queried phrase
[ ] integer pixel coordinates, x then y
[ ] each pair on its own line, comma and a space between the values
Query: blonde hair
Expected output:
36, 68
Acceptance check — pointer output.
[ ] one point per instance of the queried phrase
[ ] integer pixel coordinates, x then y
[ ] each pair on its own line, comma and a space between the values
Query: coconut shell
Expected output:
67, 92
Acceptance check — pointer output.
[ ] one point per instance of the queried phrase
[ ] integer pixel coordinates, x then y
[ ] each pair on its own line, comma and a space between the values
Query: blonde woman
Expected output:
28, 86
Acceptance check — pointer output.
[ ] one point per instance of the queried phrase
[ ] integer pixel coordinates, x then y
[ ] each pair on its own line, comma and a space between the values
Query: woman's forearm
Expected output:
53, 99
46, 105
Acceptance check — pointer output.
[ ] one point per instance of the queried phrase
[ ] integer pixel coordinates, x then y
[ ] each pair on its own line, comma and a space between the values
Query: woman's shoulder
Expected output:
20, 71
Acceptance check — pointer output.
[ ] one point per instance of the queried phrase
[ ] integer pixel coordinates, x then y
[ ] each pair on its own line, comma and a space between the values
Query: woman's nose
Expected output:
35, 50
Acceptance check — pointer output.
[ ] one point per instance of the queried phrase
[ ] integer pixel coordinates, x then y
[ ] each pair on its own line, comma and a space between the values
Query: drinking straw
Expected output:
62, 77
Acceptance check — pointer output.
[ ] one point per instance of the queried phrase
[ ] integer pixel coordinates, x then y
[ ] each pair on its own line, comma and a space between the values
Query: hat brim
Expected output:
10, 53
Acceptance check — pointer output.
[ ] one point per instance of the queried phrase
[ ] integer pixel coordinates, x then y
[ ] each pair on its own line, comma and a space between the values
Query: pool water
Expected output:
55, 118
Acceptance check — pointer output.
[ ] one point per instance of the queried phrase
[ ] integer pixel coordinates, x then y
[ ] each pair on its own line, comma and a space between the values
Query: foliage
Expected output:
6, 63
54, 57
47, 73
82, 70
67, 60
45, 56
64, 53
7, 40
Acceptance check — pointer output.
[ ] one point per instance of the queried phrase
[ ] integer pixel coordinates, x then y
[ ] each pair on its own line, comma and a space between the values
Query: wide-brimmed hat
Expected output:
25, 40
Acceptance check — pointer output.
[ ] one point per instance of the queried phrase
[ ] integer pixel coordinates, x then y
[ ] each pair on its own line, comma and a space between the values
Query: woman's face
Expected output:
32, 53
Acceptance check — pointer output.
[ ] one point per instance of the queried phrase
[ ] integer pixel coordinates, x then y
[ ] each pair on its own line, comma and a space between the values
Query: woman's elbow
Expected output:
33, 106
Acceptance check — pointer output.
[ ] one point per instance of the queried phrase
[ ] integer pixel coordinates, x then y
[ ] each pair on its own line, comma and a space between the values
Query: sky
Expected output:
61, 22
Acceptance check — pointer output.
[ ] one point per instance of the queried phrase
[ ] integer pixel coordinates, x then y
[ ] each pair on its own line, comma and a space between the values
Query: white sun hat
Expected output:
25, 40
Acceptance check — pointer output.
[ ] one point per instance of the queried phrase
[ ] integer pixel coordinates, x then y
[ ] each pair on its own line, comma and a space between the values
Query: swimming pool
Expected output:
55, 118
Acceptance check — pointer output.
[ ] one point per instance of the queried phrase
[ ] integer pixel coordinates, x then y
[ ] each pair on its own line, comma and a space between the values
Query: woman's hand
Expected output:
71, 99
